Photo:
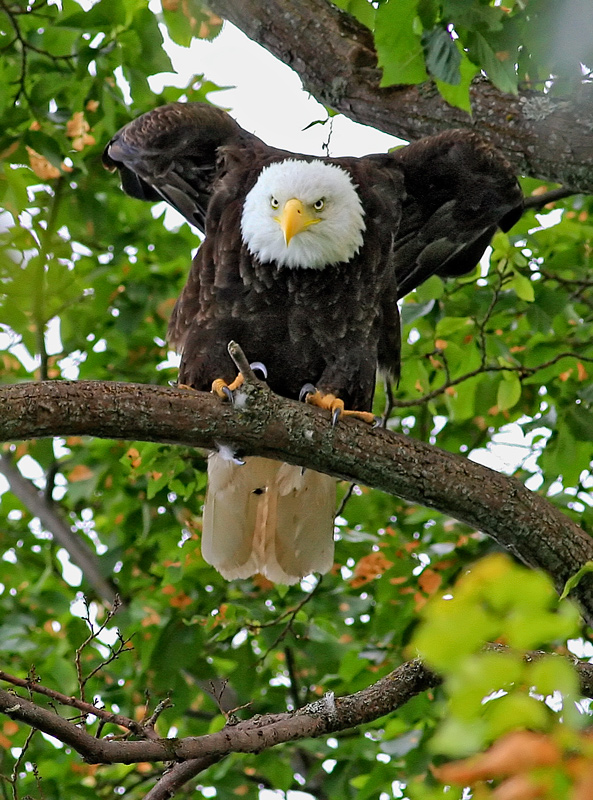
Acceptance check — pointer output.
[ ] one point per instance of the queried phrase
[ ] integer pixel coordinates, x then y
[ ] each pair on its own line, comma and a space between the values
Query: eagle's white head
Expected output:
303, 214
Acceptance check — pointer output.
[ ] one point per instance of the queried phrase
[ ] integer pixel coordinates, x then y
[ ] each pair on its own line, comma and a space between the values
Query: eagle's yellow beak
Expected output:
295, 217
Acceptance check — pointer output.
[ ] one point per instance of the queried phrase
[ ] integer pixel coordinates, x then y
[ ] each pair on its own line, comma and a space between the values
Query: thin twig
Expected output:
114, 653
291, 613
540, 200
521, 369
388, 402
73, 702
345, 499
19, 761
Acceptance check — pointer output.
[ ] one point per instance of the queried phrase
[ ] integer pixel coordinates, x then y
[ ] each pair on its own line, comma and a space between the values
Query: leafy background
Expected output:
88, 278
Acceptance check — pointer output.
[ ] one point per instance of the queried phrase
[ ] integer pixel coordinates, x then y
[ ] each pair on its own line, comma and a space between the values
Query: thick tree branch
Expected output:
519, 520
324, 716
542, 136
250, 736
80, 553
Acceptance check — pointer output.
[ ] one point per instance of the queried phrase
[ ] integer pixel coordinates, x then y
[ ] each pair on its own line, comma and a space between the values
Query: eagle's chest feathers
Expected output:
303, 214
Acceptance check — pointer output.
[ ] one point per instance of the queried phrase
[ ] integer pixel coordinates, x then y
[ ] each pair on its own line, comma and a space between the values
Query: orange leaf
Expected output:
134, 456
165, 307
583, 789
419, 601
564, 376
262, 583
41, 166
515, 753
181, 600
520, 787
582, 372
10, 728
80, 473
371, 565
429, 581
77, 125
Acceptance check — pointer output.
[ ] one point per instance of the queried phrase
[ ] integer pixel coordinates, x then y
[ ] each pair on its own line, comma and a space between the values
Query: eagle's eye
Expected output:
318, 205
274, 203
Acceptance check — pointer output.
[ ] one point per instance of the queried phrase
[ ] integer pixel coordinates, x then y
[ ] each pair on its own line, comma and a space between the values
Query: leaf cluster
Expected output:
452, 41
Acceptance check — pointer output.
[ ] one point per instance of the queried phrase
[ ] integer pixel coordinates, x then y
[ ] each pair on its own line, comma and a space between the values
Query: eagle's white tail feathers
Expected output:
268, 517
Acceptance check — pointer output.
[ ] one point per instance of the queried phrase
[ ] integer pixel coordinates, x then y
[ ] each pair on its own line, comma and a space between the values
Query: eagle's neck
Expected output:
335, 237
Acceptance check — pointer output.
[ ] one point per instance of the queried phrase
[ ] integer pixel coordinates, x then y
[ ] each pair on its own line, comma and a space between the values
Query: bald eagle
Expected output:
303, 262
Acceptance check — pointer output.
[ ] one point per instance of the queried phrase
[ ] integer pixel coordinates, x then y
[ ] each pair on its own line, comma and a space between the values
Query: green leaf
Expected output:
501, 72
522, 287
575, 579
515, 710
509, 391
458, 95
399, 44
362, 10
442, 57
413, 311
553, 674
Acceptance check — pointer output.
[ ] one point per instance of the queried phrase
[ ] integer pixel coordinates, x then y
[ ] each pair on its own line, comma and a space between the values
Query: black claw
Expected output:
257, 365
336, 416
238, 461
378, 423
308, 388
228, 394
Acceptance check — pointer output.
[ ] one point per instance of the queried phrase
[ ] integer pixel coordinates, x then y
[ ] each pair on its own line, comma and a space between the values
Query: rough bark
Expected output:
521, 521
542, 136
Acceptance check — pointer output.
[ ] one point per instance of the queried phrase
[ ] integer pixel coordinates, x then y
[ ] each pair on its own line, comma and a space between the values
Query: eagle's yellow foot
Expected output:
182, 386
333, 404
224, 389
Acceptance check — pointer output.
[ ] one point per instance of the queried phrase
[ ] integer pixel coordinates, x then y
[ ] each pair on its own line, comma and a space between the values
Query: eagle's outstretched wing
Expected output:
172, 152
458, 191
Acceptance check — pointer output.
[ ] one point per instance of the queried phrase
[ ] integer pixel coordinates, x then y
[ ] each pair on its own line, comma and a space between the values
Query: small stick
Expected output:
241, 362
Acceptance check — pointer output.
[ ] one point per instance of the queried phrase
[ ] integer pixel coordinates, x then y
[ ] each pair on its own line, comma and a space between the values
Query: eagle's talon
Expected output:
336, 416
228, 394
257, 365
306, 390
